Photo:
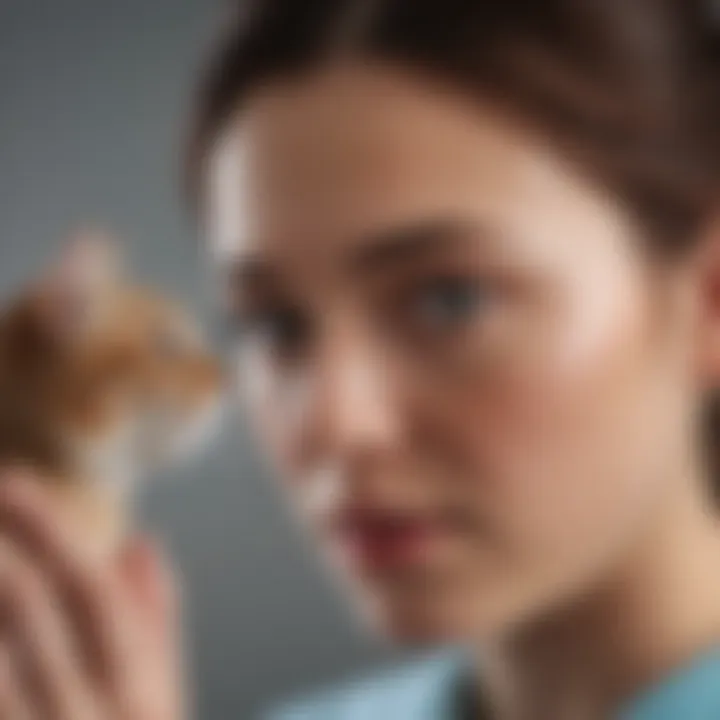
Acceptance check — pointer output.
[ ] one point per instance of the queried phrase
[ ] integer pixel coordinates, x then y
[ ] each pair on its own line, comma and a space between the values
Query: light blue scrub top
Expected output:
428, 690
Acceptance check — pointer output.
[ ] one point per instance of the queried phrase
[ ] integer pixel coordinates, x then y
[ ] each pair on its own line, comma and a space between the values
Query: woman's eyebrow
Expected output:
405, 243
381, 250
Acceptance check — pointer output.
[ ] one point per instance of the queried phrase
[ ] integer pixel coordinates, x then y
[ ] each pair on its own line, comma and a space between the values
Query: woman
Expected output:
472, 253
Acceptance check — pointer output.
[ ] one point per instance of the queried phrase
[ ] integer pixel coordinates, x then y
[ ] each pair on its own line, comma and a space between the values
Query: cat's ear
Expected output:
76, 290
90, 261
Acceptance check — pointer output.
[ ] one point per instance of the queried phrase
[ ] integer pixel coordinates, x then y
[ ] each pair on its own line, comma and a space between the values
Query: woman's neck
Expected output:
658, 610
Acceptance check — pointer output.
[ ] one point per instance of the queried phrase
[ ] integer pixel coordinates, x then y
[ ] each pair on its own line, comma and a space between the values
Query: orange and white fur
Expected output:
101, 382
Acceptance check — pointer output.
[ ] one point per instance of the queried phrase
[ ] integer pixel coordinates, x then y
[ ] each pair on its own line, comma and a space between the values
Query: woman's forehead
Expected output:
326, 147
333, 161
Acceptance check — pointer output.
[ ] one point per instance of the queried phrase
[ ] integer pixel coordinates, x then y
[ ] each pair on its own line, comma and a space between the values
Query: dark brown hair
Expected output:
629, 90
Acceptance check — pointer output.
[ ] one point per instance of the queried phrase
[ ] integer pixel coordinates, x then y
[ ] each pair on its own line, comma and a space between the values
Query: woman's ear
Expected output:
707, 278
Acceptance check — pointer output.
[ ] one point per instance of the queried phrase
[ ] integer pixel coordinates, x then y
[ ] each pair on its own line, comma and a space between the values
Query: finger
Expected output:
28, 522
43, 640
15, 697
151, 585
26, 511
151, 581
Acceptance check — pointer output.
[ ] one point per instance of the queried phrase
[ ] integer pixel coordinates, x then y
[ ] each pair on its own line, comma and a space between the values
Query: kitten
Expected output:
101, 382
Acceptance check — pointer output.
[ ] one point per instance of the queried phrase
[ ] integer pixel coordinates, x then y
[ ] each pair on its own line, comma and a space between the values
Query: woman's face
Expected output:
473, 386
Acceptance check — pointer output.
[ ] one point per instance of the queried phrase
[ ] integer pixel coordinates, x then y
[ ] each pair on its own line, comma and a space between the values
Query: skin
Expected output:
442, 322
84, 640
447, 326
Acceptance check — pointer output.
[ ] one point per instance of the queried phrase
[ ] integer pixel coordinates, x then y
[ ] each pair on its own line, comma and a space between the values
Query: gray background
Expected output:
93, 96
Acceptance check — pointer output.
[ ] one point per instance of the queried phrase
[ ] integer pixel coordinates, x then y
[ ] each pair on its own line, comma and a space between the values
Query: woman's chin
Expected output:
421, 617
430, 603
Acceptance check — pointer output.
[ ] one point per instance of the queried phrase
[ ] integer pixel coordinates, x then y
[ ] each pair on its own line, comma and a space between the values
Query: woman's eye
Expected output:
280, 332
448, 302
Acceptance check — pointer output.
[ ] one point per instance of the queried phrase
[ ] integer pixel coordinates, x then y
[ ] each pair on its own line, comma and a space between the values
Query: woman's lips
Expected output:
377, 541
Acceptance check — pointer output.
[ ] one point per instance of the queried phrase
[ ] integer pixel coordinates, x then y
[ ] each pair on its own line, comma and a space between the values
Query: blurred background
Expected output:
93, 100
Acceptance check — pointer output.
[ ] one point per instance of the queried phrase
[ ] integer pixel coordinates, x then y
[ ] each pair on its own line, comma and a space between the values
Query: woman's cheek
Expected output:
548, 434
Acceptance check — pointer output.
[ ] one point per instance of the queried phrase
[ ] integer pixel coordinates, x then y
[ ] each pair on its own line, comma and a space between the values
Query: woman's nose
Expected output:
354, 404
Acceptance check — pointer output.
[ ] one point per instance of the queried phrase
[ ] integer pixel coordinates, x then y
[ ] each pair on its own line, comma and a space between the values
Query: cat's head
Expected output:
108, 378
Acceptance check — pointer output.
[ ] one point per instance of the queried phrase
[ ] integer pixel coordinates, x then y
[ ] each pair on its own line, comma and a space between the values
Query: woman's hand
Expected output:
81, 640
